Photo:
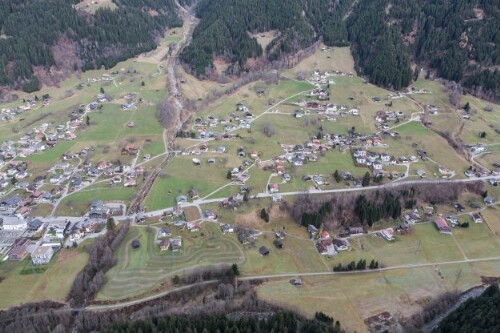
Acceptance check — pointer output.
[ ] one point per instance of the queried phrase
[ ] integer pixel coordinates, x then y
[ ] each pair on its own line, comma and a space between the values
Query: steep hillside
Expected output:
456, 40
38, 35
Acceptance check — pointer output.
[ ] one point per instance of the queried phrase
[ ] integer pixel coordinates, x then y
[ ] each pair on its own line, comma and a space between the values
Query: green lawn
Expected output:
179, 177
53, 284
77, 204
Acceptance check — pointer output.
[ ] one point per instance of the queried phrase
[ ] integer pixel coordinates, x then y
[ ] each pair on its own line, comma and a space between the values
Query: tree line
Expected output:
475, 315
89, 280
348, 209
277, 322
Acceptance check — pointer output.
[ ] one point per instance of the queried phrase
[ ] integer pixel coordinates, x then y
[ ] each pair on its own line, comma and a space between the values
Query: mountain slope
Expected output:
44, 33
457, 40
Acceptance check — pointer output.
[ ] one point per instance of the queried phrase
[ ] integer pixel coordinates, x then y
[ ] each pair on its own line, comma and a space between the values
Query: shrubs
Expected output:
353, 266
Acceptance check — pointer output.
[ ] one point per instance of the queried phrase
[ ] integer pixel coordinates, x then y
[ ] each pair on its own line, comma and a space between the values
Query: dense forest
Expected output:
276, 323
39, 34
155, 316
479, 315
457, 41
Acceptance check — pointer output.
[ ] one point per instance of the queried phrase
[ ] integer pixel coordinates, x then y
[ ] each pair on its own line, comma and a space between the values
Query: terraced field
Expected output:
140, 270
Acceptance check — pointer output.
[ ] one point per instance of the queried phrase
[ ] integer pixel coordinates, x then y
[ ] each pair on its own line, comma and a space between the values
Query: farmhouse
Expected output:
313, 231
210, 215
181, 199
130, 149
176, 243
488, 200
42, 255
340, 244
326, 247
387, 234
442, 226
164, 245
19, 250
356, 230
477, 218
226, 228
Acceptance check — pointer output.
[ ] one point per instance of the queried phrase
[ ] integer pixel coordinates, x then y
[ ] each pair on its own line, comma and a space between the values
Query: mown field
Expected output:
138, 271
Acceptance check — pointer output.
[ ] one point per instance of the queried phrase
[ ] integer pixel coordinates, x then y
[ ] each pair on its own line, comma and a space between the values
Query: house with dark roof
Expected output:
10, 204
264, 251
278, 243
34, 225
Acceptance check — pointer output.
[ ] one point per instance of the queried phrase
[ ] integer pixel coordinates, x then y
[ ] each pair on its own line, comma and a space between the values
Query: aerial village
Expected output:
22, 234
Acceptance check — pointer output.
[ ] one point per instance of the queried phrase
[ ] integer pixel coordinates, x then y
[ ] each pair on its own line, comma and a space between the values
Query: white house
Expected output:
42, 255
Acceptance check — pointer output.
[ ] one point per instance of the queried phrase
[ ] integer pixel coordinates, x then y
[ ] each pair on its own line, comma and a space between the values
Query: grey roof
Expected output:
97, 203
10, 220
12, 201
35, 224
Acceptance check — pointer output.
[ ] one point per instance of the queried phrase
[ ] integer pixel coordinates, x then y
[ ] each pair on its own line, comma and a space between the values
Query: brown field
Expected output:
354, 297
332, 59
265, 38
92, 5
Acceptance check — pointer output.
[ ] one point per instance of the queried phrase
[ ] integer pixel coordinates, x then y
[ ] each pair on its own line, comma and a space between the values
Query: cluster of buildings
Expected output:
7, 114
318, 77
383, 118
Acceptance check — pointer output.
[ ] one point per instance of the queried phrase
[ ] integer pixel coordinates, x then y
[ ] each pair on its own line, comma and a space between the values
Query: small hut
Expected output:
136, 244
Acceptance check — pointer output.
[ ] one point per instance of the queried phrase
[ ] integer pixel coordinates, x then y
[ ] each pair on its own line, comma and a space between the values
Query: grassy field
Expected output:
92, 5
53, 284
140, 270
332, 59
78, 203
355, 297
179, 177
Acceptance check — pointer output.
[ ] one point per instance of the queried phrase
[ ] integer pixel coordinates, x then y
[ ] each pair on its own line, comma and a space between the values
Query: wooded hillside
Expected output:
476, 315
38, 34
457, 41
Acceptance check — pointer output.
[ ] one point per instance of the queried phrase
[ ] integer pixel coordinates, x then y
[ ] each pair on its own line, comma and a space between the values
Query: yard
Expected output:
54, 283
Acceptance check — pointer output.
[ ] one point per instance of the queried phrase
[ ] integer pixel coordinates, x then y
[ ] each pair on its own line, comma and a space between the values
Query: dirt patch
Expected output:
276, 213
382, 322
265, 38
66, 255
192, 214
250, 220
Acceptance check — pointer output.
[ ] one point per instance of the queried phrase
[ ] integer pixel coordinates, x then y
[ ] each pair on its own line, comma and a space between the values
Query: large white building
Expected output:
42, 255
8, 222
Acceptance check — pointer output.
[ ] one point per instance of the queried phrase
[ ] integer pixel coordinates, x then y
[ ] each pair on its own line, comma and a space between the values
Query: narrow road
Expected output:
368, 271
143, 299
124, 304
